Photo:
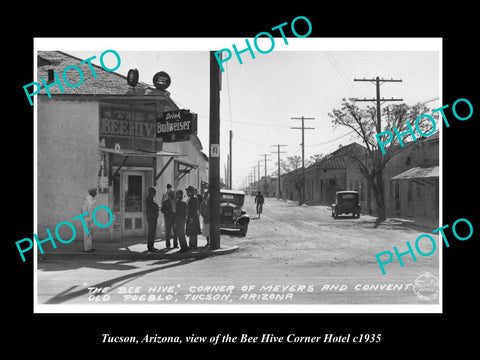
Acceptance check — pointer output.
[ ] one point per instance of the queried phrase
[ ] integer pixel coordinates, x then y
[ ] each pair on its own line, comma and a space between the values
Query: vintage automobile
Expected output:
232, 215
346, 202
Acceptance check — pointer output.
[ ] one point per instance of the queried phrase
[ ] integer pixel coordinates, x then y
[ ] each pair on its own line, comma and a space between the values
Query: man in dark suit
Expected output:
168, 211
151, 208
193, 220
179, 220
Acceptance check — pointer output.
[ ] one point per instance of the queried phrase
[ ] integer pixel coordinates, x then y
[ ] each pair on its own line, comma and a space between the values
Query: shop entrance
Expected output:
132, 204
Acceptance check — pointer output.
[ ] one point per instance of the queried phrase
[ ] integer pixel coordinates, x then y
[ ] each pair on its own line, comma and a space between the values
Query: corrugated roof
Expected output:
106, 83
418, 173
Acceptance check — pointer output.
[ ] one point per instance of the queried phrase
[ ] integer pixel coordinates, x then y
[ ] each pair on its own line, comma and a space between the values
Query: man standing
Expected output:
169, 190
87, 207
151, 208
259, 200
168, 211
193, 221
179, 219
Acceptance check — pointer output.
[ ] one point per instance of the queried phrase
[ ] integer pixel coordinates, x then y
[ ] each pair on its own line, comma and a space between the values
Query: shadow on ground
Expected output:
113, 283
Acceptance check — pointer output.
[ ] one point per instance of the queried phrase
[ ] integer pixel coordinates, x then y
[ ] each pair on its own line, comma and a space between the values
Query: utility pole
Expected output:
225, 169
265, 184
214, 158
303, 128
230, 163
377, 81
258, 172
278, 163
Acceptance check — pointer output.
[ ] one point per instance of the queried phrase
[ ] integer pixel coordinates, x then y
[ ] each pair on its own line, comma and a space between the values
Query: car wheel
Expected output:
244, 230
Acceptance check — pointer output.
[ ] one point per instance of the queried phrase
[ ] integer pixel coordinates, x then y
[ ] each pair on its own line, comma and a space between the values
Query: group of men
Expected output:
182, 218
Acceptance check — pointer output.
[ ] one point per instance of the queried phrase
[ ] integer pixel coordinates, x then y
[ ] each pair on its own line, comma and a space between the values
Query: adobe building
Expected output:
411, 180
322, 179
103, 133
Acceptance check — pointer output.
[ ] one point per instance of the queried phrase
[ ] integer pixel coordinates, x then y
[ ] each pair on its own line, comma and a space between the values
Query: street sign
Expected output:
215, 150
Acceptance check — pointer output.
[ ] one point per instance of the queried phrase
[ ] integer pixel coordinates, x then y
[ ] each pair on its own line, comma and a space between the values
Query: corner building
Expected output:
102, 134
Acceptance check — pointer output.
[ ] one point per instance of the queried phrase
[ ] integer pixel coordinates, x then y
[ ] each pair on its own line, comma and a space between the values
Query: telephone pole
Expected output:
214, 158
258, 172
265, 156
230, 163
303, 128
278, 163
377, 81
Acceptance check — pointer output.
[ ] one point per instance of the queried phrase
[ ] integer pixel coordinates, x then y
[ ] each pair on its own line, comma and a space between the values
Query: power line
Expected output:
340, 71
329, 141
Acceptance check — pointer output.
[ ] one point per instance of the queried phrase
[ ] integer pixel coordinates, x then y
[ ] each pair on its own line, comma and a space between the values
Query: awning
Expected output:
184, 163
126, 153
418, 173
180, 173
141, 153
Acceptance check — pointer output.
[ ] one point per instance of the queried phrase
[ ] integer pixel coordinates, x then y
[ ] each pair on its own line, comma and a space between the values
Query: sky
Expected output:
307, 78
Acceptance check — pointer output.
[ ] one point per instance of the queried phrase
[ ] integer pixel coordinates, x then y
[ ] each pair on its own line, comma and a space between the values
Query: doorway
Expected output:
131, 203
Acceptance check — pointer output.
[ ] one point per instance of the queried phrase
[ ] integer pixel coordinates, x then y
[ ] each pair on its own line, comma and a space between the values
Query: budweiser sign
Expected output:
176, 125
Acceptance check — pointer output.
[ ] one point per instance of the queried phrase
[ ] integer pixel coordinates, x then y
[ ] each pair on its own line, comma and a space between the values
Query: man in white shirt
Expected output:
88, 207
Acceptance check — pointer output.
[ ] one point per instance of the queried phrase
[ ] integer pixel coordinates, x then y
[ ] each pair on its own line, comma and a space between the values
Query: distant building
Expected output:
411, 180
322, 179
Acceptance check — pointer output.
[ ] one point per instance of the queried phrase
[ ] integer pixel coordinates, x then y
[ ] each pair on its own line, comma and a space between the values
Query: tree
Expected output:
314, 159
372, 161
292, 163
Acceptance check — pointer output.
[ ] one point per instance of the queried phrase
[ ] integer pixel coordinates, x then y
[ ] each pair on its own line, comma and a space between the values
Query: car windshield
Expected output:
232, 198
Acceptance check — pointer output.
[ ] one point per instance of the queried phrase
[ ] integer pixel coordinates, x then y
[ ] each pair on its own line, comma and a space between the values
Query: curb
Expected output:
125, 255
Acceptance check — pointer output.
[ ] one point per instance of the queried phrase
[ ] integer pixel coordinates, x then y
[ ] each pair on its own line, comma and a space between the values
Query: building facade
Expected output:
411, 180
102, 134
322, 179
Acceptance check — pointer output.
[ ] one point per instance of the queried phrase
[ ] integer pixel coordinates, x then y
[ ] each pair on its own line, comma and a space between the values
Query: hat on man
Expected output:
92, 189
190, 188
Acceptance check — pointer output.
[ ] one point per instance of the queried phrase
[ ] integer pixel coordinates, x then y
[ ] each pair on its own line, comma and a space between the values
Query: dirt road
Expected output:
293, 255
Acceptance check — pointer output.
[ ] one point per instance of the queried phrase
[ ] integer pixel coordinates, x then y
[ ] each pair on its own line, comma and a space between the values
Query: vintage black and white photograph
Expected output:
226, 175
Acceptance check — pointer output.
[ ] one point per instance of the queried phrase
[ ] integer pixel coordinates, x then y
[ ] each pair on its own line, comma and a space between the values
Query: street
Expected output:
292, 255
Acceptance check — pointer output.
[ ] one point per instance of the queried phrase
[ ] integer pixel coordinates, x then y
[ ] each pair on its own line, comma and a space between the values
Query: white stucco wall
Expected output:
67, 162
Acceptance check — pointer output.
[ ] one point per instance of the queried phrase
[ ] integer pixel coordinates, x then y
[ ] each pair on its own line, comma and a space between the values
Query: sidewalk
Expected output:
129, 248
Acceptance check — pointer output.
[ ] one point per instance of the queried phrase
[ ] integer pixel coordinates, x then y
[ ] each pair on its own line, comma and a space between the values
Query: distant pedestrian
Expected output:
152, 210
259, 200
168, 211
179, 221
205, 212
193, 221
87, 207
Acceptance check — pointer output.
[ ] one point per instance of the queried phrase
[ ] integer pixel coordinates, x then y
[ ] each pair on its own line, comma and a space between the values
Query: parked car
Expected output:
346, 202
232, 214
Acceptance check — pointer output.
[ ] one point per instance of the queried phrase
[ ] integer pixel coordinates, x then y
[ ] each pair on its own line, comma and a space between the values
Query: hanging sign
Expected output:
161, 80
176, 125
